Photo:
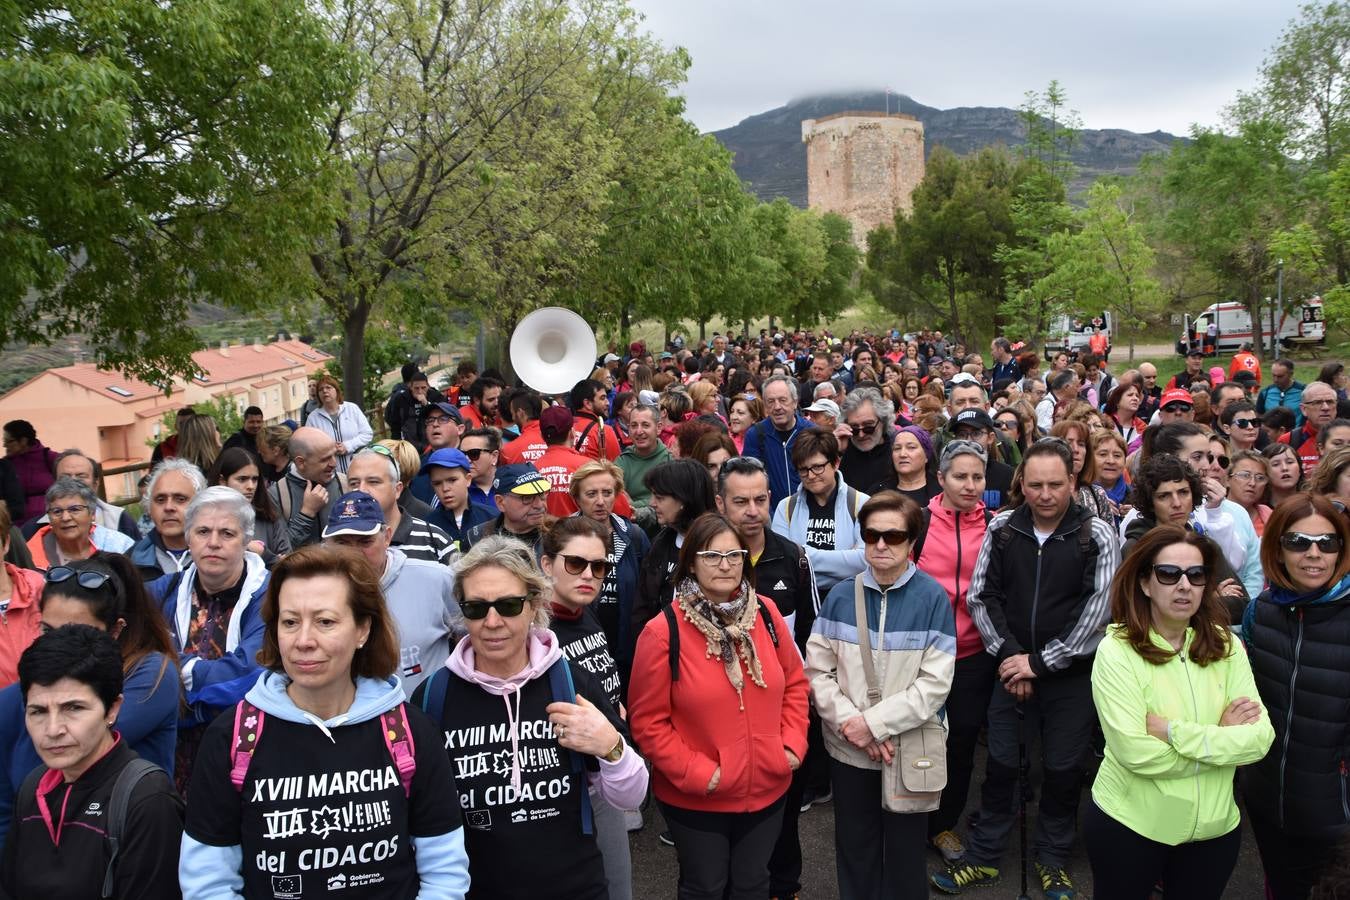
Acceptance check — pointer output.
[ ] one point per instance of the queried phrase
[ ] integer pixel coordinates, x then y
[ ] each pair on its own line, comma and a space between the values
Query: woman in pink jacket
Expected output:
957, 521
721, 716
20, 620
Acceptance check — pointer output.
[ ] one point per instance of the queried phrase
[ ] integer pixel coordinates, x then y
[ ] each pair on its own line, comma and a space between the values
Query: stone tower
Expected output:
863, 166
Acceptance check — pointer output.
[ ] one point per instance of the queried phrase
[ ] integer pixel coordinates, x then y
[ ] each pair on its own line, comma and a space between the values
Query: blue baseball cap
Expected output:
521, 479
448, 458
448, 408
355, 512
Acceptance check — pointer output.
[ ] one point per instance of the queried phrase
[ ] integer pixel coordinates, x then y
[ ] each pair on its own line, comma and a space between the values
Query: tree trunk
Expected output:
702, 329
353, 353
1254, 310
625, 329
771, 329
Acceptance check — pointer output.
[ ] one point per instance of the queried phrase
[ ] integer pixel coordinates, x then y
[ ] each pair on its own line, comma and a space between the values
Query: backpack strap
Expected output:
398, 740
562, 688
768, 621
126, 782
585, 432
669, 612
853, 502
792, 505
284, 498
433, 694
248, 728
923, 536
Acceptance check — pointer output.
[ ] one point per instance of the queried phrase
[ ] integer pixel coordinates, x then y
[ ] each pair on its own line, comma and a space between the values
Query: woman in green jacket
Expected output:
1179, 708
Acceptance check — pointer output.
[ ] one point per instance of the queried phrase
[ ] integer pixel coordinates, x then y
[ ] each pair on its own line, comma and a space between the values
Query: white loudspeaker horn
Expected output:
552, 349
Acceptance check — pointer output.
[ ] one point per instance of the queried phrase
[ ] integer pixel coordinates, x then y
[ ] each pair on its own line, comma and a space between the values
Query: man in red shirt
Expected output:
560, 461
1245, 361
590, 405
484, 396
525, 409
1318, 406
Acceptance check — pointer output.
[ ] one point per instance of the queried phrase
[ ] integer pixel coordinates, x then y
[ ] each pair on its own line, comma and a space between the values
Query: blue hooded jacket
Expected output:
766, 444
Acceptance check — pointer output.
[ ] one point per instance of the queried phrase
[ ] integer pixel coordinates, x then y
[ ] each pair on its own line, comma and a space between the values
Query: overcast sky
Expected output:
1140, 65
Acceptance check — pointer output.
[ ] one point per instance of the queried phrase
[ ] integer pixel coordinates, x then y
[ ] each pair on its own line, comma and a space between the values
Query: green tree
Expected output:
1052, 129
1105, 264
1040, 212
1229, 195
155, 154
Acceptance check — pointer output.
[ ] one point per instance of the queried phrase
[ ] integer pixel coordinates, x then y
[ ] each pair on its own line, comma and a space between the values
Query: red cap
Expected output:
556, 422
1176, 395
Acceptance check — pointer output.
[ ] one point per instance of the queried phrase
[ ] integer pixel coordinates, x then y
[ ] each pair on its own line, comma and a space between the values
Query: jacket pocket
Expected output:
770, 761
734, 759
922, 758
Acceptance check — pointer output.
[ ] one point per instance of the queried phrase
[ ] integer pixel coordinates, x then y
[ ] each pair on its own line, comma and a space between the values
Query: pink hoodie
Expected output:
622, 784
949, 552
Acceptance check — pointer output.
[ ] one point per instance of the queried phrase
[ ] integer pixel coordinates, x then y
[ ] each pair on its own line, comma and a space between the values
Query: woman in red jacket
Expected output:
722, 719
957, 522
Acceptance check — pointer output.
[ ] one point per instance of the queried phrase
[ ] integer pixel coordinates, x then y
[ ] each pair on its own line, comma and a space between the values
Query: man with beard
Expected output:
866, 464
484, 395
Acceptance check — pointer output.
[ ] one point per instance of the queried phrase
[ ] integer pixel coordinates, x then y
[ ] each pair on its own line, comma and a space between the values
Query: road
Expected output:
655, 870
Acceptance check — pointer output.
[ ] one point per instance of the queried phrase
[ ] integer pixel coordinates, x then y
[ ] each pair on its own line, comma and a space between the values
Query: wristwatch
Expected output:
616, 753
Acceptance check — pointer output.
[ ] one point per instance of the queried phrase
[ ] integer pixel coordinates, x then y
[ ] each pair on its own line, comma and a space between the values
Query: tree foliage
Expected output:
156, 154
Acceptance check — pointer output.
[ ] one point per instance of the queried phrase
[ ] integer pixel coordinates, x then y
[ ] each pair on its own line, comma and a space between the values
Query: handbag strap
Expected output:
865, 642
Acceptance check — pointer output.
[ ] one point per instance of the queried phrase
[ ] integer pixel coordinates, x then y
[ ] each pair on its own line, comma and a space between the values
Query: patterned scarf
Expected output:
728, 633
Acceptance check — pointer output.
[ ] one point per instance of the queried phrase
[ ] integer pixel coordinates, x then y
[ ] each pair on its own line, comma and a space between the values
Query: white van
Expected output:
1070, 334
1302, 324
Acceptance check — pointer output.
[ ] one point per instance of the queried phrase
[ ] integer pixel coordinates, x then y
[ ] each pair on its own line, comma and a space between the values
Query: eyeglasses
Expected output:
1221, 460
575, 565
892, 536
1246, 423
381, 449
1327, 402
1166, 574
720, 559
85, 578
813, 471
1253, 477
1299, 542
506, 607
1178, 408
865, 427
475, 453
1005, 425
438, 420
59, 512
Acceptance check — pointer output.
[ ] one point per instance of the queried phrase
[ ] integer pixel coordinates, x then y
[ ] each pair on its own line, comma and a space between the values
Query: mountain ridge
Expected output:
770, 157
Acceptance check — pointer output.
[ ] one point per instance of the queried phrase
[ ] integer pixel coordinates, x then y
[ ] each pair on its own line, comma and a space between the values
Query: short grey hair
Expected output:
825, 388
387, 458
181, 466
226, 499
961, 448
648, 408
65, 486
884, 408
514, 556
780, 379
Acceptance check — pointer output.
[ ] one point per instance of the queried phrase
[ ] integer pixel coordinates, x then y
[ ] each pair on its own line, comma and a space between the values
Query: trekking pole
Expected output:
1022, 793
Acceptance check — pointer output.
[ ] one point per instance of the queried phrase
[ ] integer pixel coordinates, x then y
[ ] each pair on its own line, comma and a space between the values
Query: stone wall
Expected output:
863, 165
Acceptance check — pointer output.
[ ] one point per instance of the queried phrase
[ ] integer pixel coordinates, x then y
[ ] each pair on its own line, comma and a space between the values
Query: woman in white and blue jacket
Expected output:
821, 516
212, 609
323, 779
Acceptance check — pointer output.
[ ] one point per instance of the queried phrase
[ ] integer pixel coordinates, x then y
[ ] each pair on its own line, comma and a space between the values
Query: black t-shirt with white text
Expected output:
584, 642
820, 524
526, 843
317, 815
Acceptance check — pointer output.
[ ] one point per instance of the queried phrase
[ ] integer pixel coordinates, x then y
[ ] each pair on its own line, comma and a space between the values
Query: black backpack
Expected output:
126, 782
927, 518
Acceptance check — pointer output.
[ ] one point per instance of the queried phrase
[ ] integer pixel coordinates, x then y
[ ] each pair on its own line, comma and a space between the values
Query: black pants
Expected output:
723, 855
785, 863
1126, 865
877, 854
967, 709
1293, 862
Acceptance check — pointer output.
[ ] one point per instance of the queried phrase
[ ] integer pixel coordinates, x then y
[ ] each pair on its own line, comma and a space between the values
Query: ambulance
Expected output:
1300, 325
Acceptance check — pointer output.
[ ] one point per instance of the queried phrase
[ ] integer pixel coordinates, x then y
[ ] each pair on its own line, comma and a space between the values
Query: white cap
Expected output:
826, 406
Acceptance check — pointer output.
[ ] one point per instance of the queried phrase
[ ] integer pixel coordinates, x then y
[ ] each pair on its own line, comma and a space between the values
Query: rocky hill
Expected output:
771, 158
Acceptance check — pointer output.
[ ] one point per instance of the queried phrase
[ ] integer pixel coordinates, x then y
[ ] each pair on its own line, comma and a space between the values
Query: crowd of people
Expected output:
742, 579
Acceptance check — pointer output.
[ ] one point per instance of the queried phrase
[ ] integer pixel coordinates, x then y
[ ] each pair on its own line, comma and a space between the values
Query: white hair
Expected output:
224, 498
181, 466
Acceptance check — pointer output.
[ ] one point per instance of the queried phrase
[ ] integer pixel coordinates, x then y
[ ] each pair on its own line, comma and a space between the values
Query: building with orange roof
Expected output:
116, 418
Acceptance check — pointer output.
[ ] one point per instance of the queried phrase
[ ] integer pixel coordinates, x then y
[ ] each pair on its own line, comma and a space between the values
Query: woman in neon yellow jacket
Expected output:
1179, 708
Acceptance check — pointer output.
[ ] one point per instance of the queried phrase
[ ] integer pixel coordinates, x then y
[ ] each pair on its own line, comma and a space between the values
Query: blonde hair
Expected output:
595, 467
514, 557
407, 458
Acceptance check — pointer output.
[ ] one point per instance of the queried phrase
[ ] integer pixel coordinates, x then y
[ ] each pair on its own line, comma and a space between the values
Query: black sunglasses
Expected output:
575, 565
1220, 459
85, 578
475, 453
1302, 543
893, 536
1246, 423
506, 607
1167, 574
1178, 408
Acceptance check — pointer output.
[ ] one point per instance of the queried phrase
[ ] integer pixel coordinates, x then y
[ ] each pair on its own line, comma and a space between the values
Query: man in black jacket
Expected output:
1040, 598
783, 574
71, 679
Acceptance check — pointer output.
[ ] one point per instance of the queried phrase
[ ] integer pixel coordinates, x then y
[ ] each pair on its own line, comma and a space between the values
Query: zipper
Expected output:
956, 596
1036, 594
1345, 806
1195, 713
1289, 717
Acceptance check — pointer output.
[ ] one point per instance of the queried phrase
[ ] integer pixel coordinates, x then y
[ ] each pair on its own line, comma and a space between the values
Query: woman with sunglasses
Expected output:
1249, 486
1286, 472
106, 592
529, 732
1180, 711
1297, 632
719, 705
884, 714
1242, 423
576, 558
239, 469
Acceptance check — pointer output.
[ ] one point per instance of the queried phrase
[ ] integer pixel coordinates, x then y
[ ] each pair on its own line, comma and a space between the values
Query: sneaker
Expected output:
1055, 882
949, 845
811, 798
956, 879
665, 838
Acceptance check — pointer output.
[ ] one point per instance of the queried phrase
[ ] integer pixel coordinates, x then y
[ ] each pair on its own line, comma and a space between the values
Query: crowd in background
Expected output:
744, 578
